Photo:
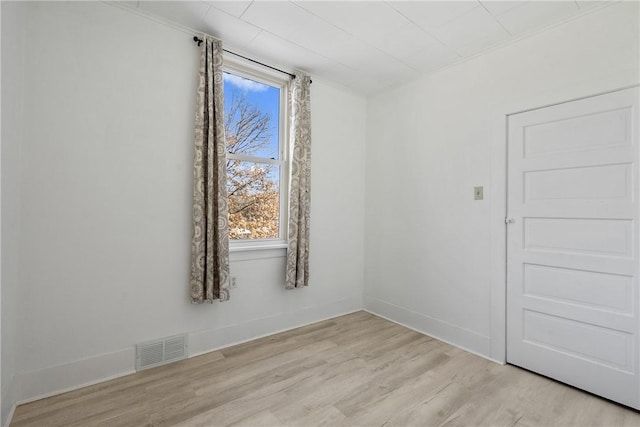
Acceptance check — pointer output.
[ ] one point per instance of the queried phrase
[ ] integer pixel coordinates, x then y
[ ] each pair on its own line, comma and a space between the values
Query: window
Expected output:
257, 157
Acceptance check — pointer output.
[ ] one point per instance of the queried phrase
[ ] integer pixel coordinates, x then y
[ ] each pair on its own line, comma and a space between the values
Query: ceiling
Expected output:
365, 45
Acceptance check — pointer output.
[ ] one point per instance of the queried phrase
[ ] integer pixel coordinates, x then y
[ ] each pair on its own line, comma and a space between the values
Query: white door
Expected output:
572, 246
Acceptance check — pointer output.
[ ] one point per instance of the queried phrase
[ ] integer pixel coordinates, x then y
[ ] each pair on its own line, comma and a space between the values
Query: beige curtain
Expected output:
297, 274
210, 232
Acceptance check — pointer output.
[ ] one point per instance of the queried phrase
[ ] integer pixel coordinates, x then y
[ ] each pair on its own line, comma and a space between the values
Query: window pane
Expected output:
254, 200
251, 117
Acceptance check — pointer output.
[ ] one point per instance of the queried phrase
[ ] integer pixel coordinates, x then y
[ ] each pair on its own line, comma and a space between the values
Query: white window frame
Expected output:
273, 78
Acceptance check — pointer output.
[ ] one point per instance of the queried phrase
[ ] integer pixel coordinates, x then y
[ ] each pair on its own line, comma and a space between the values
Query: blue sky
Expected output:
266, 98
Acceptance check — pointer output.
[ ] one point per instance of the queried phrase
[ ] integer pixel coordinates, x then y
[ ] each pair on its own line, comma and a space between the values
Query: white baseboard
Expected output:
465, 339
12, 410
70, 376
43, 383
216, 339
8, 403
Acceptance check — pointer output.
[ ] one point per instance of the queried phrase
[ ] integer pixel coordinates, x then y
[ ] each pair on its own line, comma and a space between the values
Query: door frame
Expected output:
498, 193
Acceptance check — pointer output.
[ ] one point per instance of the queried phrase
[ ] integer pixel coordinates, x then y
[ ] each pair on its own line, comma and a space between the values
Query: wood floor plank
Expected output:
262, 398
354, 370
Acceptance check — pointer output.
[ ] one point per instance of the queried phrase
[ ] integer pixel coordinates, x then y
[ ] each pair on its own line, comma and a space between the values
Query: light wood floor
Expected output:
355, 370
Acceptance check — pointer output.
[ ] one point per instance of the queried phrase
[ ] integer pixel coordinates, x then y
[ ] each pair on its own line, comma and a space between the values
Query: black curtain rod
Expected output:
293, 76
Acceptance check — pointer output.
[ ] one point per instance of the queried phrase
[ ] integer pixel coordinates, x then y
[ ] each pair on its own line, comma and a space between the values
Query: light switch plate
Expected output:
478, 193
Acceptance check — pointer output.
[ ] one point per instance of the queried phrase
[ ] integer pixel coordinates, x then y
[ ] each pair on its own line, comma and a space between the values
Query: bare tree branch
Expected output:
254, 207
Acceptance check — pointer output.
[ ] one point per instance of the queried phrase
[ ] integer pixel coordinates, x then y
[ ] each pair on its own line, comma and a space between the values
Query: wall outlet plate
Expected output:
234, 282
478, 193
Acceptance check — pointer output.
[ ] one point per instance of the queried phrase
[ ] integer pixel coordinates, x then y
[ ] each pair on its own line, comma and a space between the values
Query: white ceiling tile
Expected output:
354, 52
433, 14
340, 73
405, 41
471, 32
396, 75
497, 7
296, 25
536, 14
320, 36
188, 13
482, 44
430, 58
234, 8
388, 69
284, 52
280, 17
364, 19
232, 31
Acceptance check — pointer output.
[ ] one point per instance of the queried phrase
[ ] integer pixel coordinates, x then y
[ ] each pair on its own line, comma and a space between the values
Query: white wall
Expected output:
428, 244
13, 39
106, 196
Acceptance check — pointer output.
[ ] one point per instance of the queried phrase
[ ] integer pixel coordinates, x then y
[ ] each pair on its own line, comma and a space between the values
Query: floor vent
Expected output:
160, 352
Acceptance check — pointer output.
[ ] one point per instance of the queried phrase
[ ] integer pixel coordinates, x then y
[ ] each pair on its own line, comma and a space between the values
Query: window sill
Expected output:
257, 251
257, 247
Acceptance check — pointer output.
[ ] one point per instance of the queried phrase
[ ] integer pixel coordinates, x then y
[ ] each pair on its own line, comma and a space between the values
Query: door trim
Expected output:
498, 201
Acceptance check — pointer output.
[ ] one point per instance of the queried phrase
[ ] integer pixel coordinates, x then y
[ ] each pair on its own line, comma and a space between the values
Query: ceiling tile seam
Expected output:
245, 10
520, 4
376, 48
205, 14
255, 37
541, 29
427, 32
479, 4
433, 36
262, 30
212, 7
396, 10
320, 18
494, 17
400, 60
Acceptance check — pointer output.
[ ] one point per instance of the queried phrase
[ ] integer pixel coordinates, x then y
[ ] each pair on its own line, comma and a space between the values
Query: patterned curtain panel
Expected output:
210, 232
300, 118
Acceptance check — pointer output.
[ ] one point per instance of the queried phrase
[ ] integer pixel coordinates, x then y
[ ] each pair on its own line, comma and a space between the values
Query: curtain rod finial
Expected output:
197, 40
